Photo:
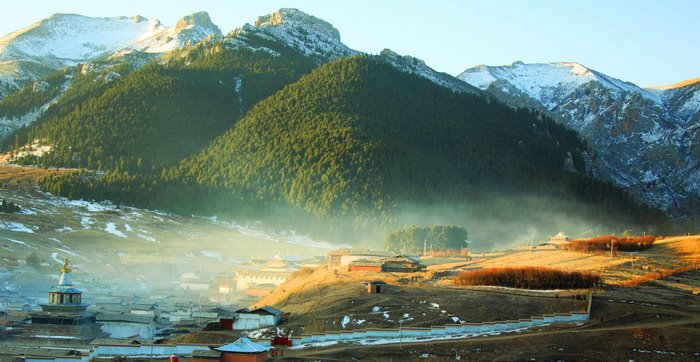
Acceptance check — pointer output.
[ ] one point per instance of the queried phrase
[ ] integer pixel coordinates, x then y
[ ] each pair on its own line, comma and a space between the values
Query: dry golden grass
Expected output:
559, 259
668, 257
13, 175
687, 247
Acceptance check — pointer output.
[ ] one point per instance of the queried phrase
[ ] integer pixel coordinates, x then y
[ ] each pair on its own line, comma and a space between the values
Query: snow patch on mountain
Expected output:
644, 140
9, 124
547, 83
69, 39
418, 67
16, 227
112, 229
305, 33
319, 40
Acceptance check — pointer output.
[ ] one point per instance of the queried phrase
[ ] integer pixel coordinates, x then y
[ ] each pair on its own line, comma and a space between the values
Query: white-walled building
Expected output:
127, 325
245, 319
275, 272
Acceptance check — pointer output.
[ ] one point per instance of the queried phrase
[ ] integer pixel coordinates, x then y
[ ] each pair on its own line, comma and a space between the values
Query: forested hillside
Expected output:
146, 119
357, 140
353, 147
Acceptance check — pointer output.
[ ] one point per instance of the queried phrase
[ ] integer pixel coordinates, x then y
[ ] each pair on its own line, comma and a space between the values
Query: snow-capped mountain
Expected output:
644, 140
302, 32
319, 40
67, 39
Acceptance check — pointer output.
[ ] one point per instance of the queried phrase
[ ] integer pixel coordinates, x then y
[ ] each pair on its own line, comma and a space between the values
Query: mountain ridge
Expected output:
645, 140
253, 62
64, 40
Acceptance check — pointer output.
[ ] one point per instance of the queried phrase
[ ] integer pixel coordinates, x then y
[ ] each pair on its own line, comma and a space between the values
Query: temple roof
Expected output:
243, 345
70, 290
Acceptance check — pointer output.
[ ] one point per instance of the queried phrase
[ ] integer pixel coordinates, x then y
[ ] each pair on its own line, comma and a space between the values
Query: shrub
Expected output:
657, 275
528, 278
644, 334
602, 243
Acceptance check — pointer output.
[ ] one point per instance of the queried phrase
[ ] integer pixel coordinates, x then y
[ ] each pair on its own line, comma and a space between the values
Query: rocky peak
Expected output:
644, 140
200, 19
297, 18
407, 59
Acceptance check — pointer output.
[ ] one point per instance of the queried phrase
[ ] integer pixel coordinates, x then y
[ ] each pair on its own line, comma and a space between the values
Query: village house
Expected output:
334, 257
343, 257
127, 325
245, 319
365, 265
375, 287
243, 350
143, 309
559, 241
396, 264
190, 281
225, 283
275, 271
400, 264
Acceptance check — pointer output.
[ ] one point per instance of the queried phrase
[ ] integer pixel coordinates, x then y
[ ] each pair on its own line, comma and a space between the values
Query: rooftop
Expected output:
269, 310
126, 317
243, 345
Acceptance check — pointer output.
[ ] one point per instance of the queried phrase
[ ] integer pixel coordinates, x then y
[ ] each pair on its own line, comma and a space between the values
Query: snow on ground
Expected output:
128, 228
87, 205
21, 243
71, 253
211, 254
376, 309
427, 338
519, 289
434, 305
16, 227
9, 287
54, 256
86, 222
345, 321
147, 238
260, 333
56, 240
406, 317
672, 353
64, 229
112, 229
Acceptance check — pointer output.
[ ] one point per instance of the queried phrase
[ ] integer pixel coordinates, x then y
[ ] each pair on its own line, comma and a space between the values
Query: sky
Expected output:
647, 42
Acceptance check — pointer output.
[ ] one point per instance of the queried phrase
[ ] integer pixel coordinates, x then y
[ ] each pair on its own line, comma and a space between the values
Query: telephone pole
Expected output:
612, 246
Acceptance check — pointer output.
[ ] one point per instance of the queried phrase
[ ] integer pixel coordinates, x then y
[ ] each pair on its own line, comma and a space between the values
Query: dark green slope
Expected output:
358, 142
153, 117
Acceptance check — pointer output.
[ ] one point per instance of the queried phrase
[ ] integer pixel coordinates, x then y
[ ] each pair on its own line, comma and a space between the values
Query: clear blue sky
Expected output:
647, 42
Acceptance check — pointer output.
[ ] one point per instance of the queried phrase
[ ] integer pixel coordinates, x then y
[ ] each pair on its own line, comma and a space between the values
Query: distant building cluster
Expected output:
372, 261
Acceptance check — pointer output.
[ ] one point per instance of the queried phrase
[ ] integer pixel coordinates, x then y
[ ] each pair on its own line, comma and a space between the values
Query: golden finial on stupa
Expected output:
66, 267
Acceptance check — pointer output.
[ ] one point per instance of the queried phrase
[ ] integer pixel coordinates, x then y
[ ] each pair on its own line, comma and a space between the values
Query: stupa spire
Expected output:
65, 275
